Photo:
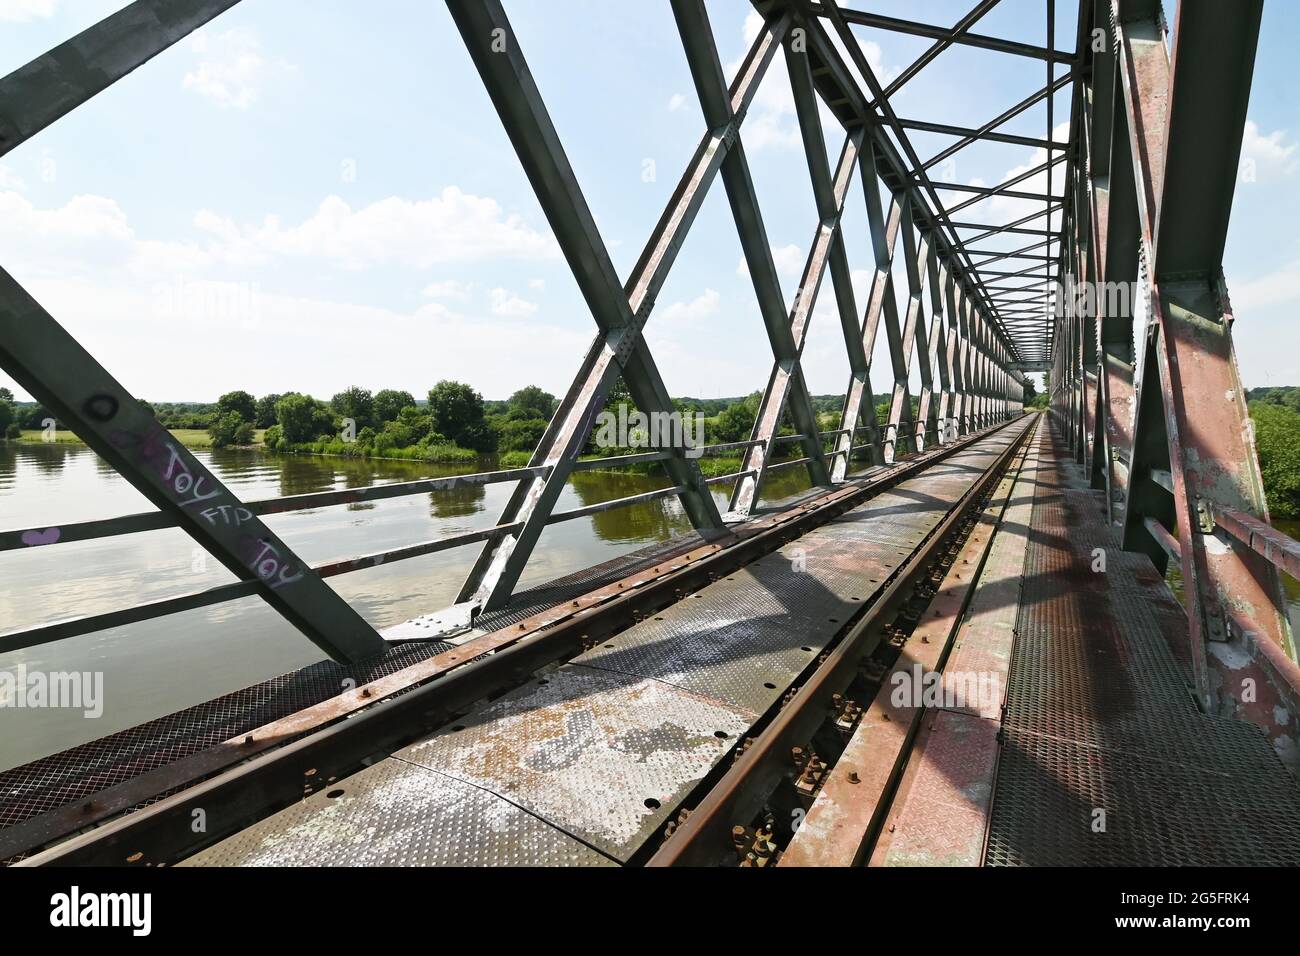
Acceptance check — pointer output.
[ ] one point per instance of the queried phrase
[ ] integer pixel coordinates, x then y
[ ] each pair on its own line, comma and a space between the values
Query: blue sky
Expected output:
314, 195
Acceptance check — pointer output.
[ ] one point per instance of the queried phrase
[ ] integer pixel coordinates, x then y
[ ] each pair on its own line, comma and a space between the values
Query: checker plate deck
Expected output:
1106, 759
604, 749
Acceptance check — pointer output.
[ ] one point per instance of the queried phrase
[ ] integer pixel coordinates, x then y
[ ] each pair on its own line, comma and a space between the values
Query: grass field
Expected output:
189, 437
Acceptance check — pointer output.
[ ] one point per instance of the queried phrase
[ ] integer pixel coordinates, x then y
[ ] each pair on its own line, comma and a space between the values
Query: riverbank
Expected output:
195, 438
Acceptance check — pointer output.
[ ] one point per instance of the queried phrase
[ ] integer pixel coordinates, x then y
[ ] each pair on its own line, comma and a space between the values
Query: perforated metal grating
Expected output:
379, 817
67, 776
71, 775
1105, 757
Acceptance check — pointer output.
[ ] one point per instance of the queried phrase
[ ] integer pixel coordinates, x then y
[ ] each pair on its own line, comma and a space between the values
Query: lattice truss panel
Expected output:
968, 326
1144, 379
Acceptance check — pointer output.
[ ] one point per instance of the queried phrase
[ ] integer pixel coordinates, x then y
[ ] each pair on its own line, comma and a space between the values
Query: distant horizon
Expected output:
248, 207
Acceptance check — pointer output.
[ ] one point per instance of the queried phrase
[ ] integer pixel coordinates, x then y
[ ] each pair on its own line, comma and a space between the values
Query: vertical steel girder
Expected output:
620, 312
786, 368
1163, 140
720, 108
916, 262
49, 363
827, 249
859, 402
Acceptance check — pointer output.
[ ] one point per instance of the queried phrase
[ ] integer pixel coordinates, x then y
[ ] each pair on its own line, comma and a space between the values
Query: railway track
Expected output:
687, 714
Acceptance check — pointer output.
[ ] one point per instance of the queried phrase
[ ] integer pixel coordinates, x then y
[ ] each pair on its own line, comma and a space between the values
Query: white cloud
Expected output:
21, 11
537, 285
334, 343
231, 70
1266, 155
507, 304
701, 307
84, 234
447, 289
676, 102
452, 227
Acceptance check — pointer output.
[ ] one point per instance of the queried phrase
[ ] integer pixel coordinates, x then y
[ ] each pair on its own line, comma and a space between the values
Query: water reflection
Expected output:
653, 521
160, 666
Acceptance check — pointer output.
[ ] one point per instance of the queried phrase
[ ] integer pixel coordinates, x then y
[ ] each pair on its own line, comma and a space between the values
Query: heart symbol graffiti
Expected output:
48, 536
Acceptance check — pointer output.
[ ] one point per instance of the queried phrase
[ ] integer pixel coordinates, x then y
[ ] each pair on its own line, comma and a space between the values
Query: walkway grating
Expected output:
1105, 757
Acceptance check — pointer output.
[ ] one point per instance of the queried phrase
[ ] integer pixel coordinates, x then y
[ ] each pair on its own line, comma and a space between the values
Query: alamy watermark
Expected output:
21, 688
1092, 299
659, 430
917, 687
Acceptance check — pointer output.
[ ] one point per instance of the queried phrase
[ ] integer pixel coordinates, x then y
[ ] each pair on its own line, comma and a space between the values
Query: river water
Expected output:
156, 667
159, 666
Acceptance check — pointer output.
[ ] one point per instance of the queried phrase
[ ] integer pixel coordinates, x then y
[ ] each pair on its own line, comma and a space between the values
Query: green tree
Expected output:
389, 404
303, 418
357, 404
457, 412
531, 402
35, 417
264, 417
521, 434
736, 422
6, 395
239, 402
1277, 438
225, 430
411, 427
8, 415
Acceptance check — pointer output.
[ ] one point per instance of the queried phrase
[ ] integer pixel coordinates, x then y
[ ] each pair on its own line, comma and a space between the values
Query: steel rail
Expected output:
251, 776
738, 797
849, 809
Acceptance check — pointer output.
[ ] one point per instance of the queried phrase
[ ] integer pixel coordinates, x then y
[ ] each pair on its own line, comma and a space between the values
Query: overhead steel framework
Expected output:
958, 326
954, 328
984, 303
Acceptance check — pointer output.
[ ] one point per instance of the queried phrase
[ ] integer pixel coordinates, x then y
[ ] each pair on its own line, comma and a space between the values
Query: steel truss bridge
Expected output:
732, 696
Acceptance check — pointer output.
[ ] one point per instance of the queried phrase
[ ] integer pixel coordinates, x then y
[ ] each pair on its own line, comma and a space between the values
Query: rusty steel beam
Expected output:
858, 400
53, 367
57, 82
1193, 452
744, 495
744, 788
619, 311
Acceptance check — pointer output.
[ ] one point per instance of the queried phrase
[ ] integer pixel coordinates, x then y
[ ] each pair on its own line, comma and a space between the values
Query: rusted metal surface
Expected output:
1105, 757
741, 791
602, 756
379, 817
941, 811
852, 800
1281, 550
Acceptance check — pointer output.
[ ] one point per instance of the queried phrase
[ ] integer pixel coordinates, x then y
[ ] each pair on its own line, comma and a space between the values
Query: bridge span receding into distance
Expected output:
958, 647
